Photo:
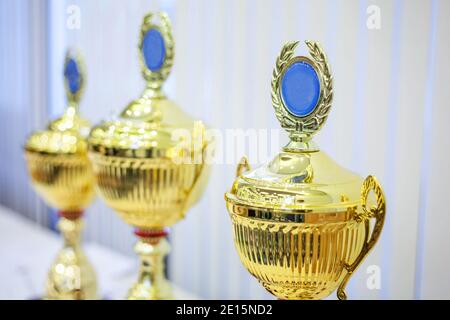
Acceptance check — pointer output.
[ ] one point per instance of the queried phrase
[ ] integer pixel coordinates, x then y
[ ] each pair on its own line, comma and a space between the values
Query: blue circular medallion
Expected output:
73, 76
300, 88
153, 49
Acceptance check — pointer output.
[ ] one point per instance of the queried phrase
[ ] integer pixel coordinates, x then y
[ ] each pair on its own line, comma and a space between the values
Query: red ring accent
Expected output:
151, 233
71, 215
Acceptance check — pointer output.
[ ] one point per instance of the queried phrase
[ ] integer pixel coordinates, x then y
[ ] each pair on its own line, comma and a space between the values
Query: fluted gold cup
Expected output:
61, 173
148, 162
301, 223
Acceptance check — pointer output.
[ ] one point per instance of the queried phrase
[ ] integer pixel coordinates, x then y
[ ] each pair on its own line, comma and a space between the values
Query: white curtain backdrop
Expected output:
389, 117
23, 98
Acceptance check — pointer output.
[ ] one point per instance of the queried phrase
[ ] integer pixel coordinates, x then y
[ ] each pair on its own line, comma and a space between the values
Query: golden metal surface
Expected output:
147, 171
301, 223
71, 277
62, 175
297, 260
146, 193
151, 283
64, 181
298, 182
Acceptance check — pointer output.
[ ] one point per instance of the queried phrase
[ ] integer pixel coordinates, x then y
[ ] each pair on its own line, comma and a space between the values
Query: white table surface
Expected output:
27, 251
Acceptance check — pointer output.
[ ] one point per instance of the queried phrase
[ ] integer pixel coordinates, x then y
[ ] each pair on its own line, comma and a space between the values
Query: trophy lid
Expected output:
301, 178
144, 129
67, 134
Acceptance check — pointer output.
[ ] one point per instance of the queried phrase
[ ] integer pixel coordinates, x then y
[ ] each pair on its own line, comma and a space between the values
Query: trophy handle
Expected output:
242, 166
377, 212
202, 171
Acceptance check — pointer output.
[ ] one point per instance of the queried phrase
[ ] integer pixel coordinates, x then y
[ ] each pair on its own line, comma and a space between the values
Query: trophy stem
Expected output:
71, 276
152, 247
70, 225
152, 92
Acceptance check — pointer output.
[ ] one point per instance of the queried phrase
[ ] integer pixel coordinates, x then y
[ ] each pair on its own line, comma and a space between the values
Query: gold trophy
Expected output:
301, 223
61, 173
145, 169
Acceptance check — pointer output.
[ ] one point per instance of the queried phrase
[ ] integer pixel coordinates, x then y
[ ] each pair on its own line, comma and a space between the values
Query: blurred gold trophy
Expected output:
146, 161
61, 173
301, 223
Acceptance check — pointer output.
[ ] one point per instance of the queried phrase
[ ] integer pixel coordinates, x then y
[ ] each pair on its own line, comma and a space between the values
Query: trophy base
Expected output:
146, 291
151, 248
71, 277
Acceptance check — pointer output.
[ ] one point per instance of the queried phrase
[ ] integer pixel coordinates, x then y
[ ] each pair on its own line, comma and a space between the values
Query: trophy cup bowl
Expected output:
301, 223
65, 181
146, 193
61, 174
143, 171
303, 253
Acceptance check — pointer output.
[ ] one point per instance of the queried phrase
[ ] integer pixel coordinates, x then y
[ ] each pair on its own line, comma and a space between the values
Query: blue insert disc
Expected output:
300, 88
153, 49
73, 76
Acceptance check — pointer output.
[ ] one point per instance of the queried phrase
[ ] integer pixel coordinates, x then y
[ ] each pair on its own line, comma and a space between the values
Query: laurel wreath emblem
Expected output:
72, 53
156, 78
311, 123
